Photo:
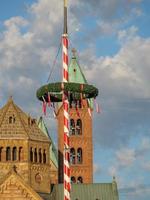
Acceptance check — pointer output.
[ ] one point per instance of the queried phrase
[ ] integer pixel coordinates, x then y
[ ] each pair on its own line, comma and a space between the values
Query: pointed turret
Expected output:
75, 73
53, 151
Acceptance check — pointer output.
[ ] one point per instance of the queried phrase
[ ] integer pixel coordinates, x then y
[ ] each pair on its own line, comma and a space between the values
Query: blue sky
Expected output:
112, 38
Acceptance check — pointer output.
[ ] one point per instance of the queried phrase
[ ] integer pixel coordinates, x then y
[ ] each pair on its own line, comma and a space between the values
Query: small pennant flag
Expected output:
97, 106
98, 110
54, 112
44, 106
89, 111
49, 100
77, 111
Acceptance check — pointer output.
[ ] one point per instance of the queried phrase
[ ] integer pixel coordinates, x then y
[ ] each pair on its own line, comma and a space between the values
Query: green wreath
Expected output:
75, 91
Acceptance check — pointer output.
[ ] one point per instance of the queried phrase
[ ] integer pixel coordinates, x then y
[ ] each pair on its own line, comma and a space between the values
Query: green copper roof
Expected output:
53, 151
95, 191
75, 73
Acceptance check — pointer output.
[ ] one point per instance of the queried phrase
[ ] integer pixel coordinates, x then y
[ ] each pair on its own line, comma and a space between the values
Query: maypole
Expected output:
67, 184
64, 92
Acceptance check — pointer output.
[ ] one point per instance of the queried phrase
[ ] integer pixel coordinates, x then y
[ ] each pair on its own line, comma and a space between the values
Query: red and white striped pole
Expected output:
67, 182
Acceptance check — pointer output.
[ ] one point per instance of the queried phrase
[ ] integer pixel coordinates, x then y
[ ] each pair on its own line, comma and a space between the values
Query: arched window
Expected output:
40, 156
72, 127
79, 156
79, 104
1, 153
73, 179
8, 153
14, 153
31, 154
35, 155
80, 179
72, 156
79, 127
20, 156
44, 156
10, 120
14, 119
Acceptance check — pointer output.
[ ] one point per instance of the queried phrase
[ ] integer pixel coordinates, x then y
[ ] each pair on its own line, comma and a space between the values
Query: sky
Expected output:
112, 39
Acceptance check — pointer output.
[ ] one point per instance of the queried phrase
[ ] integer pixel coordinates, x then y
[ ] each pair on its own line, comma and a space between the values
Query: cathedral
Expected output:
31, 166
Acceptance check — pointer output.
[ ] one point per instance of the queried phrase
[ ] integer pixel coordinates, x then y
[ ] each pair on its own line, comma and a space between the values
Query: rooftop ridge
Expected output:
15, 107
5, 108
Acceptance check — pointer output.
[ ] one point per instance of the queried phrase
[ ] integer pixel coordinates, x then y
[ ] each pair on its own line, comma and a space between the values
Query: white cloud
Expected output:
129, 67
16, 22
112, 171
146, 165
96, 168
145, 143
126, 157
127, 35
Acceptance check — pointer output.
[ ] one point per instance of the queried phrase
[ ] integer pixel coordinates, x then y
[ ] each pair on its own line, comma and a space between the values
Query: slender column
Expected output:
67, 183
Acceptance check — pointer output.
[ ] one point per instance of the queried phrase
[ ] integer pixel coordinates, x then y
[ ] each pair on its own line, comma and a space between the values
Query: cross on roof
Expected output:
74, 51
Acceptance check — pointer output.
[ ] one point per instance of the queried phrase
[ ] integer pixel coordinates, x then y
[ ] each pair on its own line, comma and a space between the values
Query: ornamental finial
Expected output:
65, 3
74, 51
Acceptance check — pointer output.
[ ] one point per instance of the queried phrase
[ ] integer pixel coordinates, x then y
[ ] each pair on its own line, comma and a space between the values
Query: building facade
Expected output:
24, 152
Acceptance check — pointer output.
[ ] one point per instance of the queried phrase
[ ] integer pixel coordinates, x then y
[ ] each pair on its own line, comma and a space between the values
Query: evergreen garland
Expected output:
74, 91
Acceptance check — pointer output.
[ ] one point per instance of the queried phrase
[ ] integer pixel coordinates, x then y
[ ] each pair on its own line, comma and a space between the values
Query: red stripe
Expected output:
66, 75
65, 58
66, 123
65, 42
66, 139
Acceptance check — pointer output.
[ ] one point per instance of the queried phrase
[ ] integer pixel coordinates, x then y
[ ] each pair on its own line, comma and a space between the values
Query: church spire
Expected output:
75, 73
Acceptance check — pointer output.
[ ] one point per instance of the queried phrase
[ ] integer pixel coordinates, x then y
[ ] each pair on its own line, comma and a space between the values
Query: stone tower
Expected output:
81, 147
25, 147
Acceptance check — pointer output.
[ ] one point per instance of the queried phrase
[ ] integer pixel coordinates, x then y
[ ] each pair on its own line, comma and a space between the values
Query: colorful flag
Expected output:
77, 111
97, 106
49, 100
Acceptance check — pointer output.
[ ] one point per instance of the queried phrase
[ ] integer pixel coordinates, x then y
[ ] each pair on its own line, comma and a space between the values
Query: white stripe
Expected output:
65, 50
65, 66
66, 193
65, 80
66, 115
66, 130
66, 146
66, 178
66, 163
